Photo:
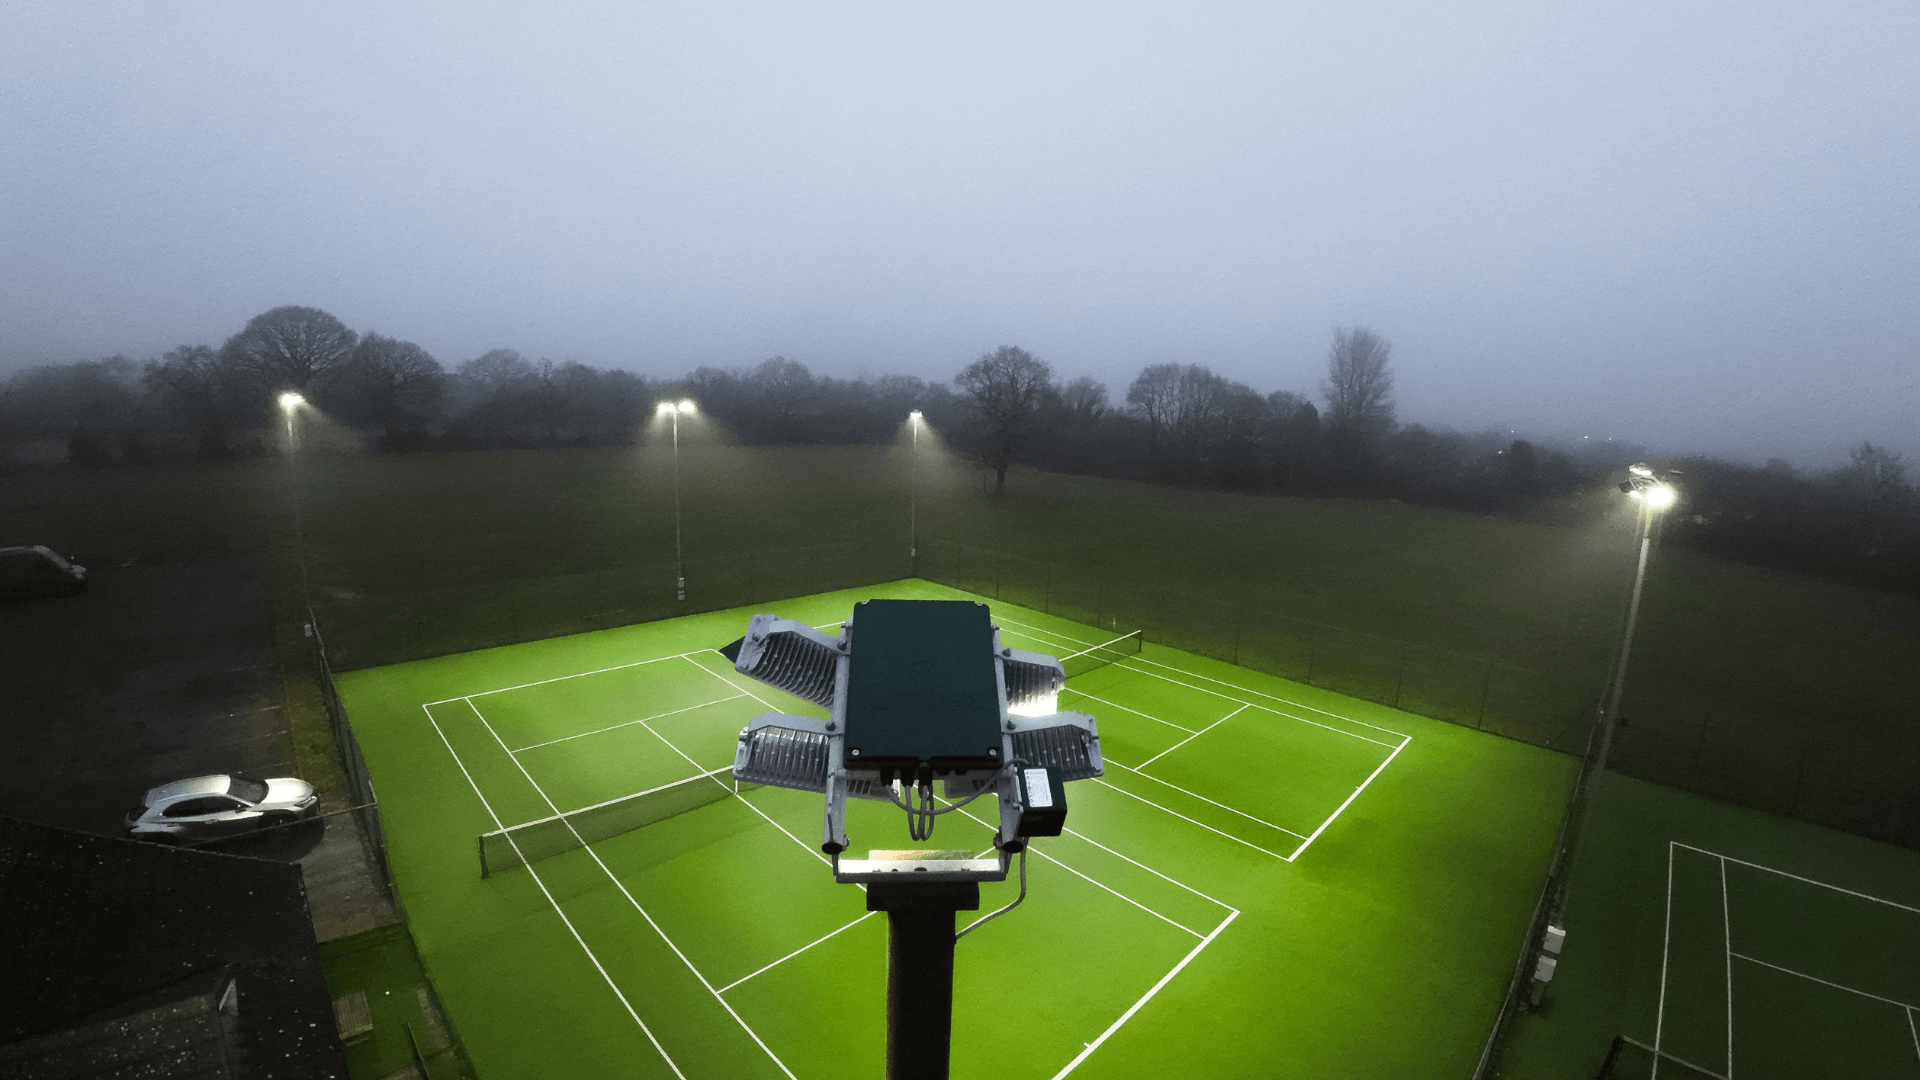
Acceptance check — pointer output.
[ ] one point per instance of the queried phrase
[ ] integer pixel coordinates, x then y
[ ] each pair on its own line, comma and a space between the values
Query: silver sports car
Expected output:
208, 807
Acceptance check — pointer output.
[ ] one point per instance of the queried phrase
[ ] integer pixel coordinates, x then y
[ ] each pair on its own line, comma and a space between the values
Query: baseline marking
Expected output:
1146, 997
1356, 794
578, 940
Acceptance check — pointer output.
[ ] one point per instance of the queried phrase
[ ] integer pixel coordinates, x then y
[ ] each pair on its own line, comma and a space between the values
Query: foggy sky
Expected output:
1694, 225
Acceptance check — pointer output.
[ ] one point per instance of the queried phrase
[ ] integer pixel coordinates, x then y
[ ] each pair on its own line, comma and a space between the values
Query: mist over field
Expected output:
1687, 229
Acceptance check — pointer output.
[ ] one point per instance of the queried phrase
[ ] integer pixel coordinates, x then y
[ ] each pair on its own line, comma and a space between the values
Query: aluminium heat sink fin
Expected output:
1068, 741
790, 655
1032, 678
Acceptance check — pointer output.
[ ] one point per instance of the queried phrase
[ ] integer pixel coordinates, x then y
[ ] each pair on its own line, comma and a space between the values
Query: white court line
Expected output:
1298, 719
1123, 708
1915, 1033
1091, 881
628, 723
1190, 821
1142, 766
578, 940
796, 952
1666, 949
1796, 877
618, 884
1262, 693
1148, 996
1242, 689
1204, 799
1149, 869
562, 678
1726, 927
1818, 979
1382, 767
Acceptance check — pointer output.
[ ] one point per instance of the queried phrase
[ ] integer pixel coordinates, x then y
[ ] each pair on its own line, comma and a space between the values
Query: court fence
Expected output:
365, 807
372, 630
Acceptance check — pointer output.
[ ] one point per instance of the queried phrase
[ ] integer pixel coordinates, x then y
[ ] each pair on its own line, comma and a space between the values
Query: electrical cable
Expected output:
920, 818
984, 919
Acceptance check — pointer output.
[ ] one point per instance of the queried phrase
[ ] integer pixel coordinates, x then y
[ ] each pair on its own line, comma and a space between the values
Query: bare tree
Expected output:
1154, 395
1006, 388
392, 384
290, 346
1084, 400
1359, 384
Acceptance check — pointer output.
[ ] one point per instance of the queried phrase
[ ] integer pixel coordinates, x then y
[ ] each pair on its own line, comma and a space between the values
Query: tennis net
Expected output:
1630, 1059
517, 845
1101, 655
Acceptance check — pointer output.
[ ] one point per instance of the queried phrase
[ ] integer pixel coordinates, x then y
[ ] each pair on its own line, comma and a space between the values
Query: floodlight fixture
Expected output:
291, 401
914, 415
665, 407
917, 691
686, 406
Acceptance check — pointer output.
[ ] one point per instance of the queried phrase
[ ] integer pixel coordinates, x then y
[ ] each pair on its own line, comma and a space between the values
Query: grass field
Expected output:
1743, 944
1270, 880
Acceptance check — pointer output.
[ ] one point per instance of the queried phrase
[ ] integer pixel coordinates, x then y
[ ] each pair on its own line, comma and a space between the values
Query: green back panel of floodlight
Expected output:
921, 685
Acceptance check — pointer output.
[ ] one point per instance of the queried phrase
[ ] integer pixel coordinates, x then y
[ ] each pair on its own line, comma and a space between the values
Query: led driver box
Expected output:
1043, 801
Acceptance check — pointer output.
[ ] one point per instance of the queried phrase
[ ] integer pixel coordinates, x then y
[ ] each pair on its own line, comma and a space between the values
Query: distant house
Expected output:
119, 958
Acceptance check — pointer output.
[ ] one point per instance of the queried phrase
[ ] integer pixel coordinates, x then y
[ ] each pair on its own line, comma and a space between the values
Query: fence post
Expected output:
1486, 691
1046, 598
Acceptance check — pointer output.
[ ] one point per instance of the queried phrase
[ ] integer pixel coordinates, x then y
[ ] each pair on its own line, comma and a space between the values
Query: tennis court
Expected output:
1766, 973
695, 931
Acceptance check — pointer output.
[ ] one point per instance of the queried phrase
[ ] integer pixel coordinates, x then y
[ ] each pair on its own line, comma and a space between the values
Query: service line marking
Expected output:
555, 904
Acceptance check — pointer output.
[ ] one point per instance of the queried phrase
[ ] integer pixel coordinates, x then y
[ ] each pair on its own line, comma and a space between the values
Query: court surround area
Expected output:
1270, 880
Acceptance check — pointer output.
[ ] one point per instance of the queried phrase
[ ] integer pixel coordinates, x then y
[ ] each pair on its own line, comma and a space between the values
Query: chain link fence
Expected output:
365, 804
371, 630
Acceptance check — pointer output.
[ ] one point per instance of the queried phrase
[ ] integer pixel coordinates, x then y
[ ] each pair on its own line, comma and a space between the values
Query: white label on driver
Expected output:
1039, 795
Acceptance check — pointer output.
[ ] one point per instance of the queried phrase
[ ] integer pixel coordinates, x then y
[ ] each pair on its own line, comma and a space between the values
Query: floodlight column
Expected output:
913, 495
1582, 804
920, 919
1618, 689
679, 562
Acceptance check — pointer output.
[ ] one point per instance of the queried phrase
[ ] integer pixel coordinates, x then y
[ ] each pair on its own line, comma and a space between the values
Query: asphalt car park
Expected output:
156, 673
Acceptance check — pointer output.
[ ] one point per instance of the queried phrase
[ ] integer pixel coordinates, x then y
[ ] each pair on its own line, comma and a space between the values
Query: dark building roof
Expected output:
192, 963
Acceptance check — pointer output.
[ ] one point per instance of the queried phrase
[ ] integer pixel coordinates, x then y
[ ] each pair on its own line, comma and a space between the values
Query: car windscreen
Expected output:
251, 790
56, 559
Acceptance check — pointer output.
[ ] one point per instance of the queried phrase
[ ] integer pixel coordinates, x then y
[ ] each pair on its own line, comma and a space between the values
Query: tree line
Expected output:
1180, 424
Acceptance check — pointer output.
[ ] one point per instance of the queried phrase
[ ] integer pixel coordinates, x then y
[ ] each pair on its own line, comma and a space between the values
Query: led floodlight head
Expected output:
923, 690
291, 401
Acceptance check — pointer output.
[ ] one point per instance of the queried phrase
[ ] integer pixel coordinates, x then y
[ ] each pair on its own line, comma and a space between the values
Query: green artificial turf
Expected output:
1653, 895
1382, 949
